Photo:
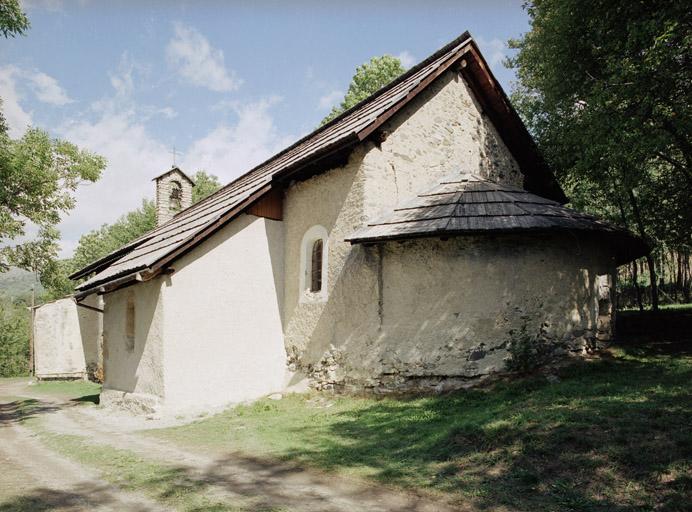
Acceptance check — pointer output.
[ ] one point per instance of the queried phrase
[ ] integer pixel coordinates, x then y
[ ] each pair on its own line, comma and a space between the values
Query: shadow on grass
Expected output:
94, 399
611, 435
80, 497
233, 483
21, 410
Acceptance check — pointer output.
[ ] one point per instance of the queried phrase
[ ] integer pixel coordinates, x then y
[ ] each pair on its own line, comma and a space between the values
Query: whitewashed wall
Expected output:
134, 376
223, 330
67, 338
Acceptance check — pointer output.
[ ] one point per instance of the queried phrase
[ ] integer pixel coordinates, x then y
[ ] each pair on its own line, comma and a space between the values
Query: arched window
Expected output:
313, 265
176, 196
316, 266
130, 323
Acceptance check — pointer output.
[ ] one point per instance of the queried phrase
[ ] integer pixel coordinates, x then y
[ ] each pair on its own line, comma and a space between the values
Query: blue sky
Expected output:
227, 84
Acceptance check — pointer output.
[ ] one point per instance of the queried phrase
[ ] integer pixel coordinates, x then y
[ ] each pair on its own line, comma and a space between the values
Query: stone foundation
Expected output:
135, 403
482, 363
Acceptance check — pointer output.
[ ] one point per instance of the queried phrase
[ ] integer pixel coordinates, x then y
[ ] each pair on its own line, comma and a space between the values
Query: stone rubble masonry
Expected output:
428, 314
164, 186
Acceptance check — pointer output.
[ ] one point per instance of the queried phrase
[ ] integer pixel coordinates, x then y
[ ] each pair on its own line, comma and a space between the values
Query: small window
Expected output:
316, 266
176, 196
130, 324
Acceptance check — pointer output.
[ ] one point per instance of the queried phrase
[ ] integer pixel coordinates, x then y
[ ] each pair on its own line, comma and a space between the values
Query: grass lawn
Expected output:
613, 434
76, 389
665, 307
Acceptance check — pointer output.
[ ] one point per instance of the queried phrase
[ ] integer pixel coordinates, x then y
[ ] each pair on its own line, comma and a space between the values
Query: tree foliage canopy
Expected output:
604, 87
13, 21
369, 78
38, 178
205, 185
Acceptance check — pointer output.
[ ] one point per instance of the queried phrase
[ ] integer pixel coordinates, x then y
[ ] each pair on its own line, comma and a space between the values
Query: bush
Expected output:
14, 338
527, 352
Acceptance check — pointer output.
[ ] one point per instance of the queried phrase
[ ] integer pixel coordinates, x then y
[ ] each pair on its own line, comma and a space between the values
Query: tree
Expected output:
604, 88
38, 178
98, 243
205, 185
13, 21
14, 337
369, 78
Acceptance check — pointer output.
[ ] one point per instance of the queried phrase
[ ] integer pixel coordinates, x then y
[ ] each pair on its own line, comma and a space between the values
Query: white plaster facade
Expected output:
208, 334
233, 322
67, 339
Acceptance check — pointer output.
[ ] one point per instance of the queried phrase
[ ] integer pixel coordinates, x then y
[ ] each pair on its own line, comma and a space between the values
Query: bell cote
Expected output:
173, 194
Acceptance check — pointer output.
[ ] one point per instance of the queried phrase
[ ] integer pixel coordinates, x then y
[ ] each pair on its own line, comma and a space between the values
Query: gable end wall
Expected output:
441, 134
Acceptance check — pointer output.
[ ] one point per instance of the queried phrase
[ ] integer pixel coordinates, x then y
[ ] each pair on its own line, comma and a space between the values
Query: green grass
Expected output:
665, 307
613, 434
82, 390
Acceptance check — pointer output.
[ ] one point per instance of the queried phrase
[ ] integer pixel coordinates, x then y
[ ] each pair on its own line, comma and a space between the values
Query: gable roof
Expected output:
148, 255
173, 169
474, 205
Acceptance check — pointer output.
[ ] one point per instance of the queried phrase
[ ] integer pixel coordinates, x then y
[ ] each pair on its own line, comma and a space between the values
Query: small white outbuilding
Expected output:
67, 339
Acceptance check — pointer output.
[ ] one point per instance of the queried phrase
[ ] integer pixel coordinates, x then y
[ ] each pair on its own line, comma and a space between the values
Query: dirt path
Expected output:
33, 477
232, 478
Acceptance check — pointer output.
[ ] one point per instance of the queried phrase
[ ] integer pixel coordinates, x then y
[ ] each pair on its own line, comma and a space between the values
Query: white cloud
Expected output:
134, 156
230, 150
48, 5
115, 127
407, 60
494, 50
198, 62
17, 118
47, 89
15, 82
330, 99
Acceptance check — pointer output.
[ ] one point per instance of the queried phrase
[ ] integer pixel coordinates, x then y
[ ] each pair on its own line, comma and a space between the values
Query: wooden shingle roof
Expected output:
150, 254
472, 205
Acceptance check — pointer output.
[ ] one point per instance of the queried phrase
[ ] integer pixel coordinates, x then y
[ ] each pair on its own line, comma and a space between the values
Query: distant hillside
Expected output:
17, 283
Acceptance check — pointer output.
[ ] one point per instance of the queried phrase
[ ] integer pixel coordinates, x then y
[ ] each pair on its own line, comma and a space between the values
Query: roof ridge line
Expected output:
464, 37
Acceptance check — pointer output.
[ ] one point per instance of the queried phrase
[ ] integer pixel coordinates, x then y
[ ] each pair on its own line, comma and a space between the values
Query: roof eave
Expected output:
626, 248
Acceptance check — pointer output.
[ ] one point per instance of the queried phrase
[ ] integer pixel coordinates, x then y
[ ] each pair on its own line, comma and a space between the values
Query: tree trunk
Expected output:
649, 259
686, 276
635, 281
678, 279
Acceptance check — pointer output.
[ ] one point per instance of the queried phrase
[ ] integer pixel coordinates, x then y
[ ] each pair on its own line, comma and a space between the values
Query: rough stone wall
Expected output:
448, 311
442, 134
164, 185
451, 309
67, 339
333, 200
136, 374
426, 314
223, 332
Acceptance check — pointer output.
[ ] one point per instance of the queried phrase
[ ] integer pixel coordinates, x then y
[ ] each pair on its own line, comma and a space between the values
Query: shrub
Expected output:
526, 351
14, 338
